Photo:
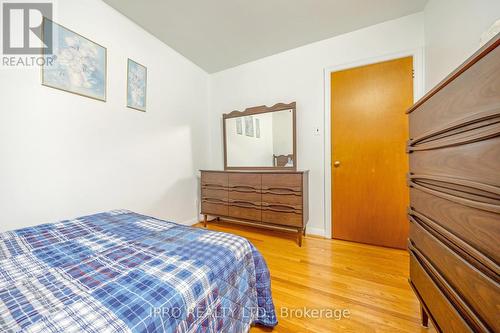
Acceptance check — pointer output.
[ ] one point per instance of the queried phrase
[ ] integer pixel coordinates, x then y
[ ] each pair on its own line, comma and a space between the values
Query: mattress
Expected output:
120, 271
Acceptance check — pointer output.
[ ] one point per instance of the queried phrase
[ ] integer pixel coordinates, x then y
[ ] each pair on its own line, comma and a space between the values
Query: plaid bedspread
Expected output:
123, 272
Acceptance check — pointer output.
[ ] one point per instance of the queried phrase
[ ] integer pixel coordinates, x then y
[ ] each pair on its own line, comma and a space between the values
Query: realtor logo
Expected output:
23, 28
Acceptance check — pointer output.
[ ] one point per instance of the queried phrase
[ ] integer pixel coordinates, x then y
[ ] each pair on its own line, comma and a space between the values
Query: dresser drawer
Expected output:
214, 207
476, 289
474, 91
477, 161
244, 181
282, 183
293, 199
244, 211
244, 196
478, 228
214, 193
240, 196
214, 179
282, 215
443, 312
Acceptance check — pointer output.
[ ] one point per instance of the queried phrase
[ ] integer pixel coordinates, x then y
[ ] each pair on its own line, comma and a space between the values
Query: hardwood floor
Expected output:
370, 282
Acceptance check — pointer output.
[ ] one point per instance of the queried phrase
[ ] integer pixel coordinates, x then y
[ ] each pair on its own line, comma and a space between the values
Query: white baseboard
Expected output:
315, 231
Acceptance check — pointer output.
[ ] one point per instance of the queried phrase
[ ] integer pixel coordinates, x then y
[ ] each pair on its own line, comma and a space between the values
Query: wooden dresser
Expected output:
271, 199
454, 209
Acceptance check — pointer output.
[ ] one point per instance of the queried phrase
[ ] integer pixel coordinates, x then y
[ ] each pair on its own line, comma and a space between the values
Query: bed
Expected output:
120, 271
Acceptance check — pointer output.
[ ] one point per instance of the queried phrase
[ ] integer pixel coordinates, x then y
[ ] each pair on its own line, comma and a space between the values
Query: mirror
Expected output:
260, 138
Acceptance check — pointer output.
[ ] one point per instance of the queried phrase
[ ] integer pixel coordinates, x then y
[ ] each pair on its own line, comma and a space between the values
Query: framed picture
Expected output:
257, 128
76, 65
239, 126
249, 126
137, 80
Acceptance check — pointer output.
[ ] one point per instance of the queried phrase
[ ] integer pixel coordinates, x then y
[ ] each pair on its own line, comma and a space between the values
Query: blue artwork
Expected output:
136, 85
76, 65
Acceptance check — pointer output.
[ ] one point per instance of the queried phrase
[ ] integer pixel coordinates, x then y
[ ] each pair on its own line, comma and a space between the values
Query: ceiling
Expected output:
219, 34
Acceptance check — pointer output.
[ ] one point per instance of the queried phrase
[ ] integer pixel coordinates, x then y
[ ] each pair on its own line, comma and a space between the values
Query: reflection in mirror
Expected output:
260, 140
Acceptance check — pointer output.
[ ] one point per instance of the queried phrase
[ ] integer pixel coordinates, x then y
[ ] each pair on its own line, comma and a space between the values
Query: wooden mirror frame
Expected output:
258, 110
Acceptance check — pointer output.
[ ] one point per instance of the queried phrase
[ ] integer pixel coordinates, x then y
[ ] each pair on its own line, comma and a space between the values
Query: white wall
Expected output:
63, 155
298, 75
453, 30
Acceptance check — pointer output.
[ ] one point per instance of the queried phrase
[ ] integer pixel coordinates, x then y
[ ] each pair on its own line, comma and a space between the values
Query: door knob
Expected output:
336, 164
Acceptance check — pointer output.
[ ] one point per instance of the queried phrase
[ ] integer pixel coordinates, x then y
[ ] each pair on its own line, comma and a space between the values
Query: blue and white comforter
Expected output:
124, 272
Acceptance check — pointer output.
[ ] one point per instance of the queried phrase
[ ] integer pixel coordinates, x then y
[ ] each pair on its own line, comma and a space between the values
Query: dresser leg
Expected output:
204, 221
304, 231
425, 317
299, 241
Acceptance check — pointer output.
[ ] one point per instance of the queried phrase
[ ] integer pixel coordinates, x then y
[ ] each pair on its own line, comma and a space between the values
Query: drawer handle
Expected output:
483, 125
281, 189
213, 200
245, 204
462, 182
476, 118
212, 185
463, 139
463, 201
277, 205
243, 188
280, 208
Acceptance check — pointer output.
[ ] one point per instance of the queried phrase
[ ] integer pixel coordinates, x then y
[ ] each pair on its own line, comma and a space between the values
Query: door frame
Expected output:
418, 91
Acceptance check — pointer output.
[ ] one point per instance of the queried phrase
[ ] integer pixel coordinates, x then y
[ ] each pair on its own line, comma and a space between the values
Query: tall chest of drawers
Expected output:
269, 199
454, 213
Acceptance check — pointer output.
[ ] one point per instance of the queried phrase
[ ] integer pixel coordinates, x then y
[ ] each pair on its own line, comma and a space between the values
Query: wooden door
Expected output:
369, 162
